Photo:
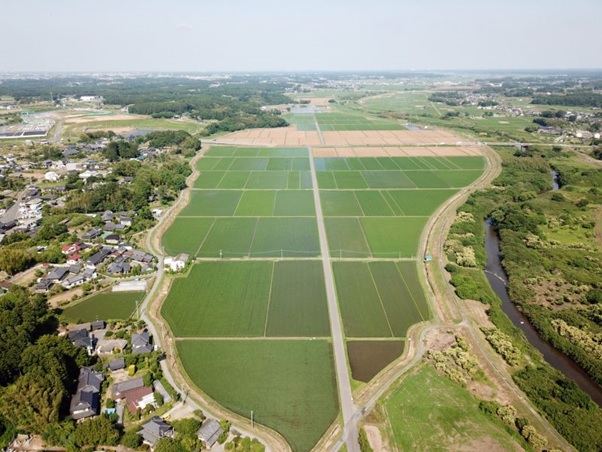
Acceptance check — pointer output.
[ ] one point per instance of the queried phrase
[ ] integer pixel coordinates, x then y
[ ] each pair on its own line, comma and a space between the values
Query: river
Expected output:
497, 279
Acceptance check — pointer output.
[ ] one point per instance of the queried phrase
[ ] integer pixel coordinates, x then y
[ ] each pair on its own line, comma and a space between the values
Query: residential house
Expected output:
81, 338
71, 249
43, 285
86, 401
107, 216
90, 273
117, 364
113, 239
57, 274
98, 257
118, 268
92, 234
74, 259
139, 398
154, 430
110, 345
73, 281
176, 263
119, 389
209, 432
141, 343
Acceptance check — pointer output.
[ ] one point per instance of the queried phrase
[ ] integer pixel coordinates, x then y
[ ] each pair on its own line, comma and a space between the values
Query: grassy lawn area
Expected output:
289, 385
429, 412
105, 306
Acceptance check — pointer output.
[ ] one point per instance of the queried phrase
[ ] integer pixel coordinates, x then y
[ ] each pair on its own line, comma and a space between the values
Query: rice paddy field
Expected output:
289, 385
341, 121
377, 207
249, 299
251, 318
105, 306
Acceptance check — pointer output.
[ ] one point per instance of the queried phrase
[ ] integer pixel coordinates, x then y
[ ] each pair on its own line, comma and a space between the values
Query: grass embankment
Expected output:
430, 412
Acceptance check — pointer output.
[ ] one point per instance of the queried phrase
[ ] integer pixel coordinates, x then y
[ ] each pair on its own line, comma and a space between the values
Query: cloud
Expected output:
184, 26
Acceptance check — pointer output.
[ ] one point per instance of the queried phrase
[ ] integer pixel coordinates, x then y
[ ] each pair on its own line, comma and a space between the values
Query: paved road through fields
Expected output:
350, 434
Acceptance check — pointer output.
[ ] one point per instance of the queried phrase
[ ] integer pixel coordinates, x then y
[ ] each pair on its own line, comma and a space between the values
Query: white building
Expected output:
51, 176
176, 263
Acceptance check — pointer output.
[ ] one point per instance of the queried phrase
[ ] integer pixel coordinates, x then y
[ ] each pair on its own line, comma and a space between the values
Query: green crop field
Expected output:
337, 121
379, 299
429, 412
289, 385
259, 203
105, 306
298, 300
249, 299
244, 236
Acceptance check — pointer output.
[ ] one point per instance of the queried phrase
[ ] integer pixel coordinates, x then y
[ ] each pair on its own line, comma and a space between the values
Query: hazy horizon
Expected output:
268, 36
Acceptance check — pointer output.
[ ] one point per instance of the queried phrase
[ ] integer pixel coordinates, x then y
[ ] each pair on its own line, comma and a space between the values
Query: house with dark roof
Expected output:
86, 401
73, 281
154, 430
57, 274
209, 432
116, 364
91, 234
43, 285
81, 338
98, 257
141, 343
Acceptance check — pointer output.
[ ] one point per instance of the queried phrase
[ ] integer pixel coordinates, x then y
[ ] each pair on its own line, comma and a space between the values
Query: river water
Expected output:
497, 279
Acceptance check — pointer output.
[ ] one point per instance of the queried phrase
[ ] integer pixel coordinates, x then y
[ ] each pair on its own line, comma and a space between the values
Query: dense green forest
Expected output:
552, 258
38, 369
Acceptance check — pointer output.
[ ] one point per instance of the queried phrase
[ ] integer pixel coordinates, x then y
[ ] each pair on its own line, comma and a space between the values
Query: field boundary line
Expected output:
254, 234
359, 203
267, 311
410, 292
380, 299
237, 204
205, 238
359, 223
403, 214
380, 192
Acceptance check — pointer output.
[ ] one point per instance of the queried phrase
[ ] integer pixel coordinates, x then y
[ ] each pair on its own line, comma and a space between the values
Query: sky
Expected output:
308, 35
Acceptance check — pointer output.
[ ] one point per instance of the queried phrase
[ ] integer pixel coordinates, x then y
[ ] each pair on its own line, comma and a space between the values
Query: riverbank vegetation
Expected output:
551, 251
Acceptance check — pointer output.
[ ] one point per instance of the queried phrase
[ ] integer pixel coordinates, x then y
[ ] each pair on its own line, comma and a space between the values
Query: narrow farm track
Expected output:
350, 433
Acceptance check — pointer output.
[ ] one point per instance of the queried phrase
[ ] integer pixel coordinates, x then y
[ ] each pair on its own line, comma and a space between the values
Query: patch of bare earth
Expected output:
376, 439
101, 118
483, 443
59, 299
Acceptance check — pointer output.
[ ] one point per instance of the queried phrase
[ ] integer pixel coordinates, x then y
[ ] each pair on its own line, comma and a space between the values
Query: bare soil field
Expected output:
282, 136
290, 136
379, 151
390, 138
101, 118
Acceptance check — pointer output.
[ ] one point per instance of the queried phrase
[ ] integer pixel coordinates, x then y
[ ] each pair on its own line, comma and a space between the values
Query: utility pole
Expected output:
252, 421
